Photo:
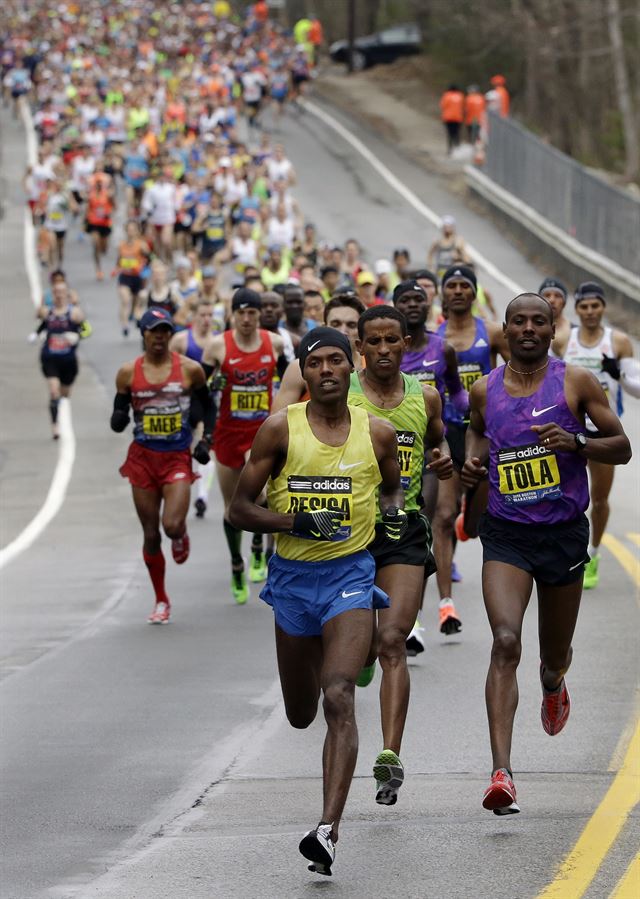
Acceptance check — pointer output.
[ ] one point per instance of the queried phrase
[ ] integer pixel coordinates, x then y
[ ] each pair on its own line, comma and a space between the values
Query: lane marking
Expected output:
626, 558
629, 885
583, 862
635, 538
408, 195
67, 443
603, 828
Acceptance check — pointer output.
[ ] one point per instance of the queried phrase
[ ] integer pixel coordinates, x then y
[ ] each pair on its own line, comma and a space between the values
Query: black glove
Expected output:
201, 452
611, 366
395, 523
323, 524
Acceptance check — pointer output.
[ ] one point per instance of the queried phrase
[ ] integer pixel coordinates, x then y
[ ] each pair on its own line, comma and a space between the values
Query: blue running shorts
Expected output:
305, 595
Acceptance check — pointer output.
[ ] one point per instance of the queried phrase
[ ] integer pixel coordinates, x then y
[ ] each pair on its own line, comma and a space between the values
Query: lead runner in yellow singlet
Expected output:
324, 463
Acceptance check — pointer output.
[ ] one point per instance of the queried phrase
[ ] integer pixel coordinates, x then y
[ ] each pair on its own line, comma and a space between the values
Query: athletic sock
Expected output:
204, 483
592, 551
156, 567
446, 600
234, 541
53, 410
256, 543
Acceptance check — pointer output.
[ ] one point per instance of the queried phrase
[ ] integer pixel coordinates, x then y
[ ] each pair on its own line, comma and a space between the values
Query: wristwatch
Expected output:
581, 441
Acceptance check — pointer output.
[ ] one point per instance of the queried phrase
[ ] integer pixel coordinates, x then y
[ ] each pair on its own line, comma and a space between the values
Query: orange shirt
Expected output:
452, 106
474, 108
503, 93
315, 33
99, 208
261, 11
132, 256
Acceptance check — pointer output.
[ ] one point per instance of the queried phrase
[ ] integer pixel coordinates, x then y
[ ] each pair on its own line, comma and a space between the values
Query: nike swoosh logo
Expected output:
315, 534
312, 345
581, 562
347, 595
344, 467
535, 412
433, 362
235, 361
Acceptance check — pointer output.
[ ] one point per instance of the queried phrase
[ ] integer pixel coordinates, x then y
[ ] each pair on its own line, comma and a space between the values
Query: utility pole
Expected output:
351, 28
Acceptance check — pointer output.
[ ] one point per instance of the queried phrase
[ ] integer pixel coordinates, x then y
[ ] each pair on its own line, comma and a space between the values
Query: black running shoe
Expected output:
201, 507
317, 846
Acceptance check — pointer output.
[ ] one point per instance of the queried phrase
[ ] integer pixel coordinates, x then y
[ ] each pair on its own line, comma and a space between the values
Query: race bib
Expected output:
528, 474
406, 442
127, 262
58, 343
161, 424
308, 493
249, 403
55, 216
215, 233
469, 373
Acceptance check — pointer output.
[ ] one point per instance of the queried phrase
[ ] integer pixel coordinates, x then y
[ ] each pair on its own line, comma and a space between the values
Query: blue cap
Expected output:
154, 317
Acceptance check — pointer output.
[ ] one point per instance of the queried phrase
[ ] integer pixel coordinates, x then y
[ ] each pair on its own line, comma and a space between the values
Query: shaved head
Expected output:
526, 299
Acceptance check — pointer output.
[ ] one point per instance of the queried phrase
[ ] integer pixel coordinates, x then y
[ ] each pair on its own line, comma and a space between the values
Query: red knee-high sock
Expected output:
156, 568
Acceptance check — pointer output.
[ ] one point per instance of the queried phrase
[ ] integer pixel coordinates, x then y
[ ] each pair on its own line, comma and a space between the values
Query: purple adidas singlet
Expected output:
528, 483
428, 365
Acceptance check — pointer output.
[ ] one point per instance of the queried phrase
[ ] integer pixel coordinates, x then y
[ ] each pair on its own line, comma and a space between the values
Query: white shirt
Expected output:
160, 202
81, 169
279, 169
282, 233
245, 252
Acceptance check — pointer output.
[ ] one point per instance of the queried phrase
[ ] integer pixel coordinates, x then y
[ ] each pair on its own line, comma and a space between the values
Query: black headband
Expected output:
320, 337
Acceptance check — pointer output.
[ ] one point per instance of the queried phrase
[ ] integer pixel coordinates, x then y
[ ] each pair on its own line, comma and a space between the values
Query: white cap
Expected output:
383, 267
449, 220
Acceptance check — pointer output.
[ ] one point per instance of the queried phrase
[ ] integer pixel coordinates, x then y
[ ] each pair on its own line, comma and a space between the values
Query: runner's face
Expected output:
246, 321
415, 309
459, 296
529, 330
156, 340
345, 320
382, 346
270, 313
313, 307
327, 372
294, 307
204, 317
556, 300
590, 312
429, 288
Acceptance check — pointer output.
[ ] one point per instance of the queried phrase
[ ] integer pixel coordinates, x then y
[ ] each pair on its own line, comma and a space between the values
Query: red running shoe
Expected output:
500, 795
180, 549
160, 614
555, 708
459, 530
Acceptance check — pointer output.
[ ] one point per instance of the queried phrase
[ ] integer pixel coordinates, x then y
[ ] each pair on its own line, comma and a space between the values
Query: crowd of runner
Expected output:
332, 393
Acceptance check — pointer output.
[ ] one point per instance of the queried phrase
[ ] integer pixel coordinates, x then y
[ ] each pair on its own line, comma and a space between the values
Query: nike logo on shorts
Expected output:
581, 562
344, 467
346, 595
535, 412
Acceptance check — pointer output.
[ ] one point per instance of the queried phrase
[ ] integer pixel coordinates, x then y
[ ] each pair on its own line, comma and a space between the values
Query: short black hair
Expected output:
338, 300
522, 296
375, 312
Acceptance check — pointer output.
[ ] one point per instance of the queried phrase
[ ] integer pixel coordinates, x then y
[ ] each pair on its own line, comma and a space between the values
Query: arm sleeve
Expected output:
120, 414
209, 411
630, 376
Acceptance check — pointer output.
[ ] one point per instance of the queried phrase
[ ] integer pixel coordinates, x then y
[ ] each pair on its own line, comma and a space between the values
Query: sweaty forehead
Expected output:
529, 305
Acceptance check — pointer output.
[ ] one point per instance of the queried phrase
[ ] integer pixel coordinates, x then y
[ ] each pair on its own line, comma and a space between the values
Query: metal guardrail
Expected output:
598, 215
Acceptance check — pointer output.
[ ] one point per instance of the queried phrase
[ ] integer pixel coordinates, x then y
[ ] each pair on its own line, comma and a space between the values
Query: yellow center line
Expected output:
635, 538
629, 885
583, 862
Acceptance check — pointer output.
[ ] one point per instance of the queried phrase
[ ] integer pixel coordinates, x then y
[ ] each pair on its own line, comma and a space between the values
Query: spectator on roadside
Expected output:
498, 99
475, 107
452, 115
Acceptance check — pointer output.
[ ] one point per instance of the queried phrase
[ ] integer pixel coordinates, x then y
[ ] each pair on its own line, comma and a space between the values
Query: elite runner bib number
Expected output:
469, 373
249, 403
528, 474
308, 493
406, 442
161, 424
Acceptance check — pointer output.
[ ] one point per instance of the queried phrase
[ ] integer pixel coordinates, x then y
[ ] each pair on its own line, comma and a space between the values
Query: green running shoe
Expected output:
389, 774
257, 567
591, 576
239, 586
366, 675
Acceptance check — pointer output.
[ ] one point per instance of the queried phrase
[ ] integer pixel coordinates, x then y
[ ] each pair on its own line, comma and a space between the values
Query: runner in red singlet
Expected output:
245, 359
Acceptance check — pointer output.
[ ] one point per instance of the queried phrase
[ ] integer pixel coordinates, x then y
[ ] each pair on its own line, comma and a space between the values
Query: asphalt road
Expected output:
156, 762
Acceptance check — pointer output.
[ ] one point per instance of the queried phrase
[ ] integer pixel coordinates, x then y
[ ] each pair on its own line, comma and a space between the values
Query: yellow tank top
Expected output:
317, 476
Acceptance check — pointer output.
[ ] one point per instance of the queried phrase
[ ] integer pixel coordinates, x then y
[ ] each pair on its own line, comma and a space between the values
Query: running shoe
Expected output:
415, 643
239, 586
160, 614
317, 846
459, 530
257, 567
449, 621
389, 774
456, 575
591, 576
555, 708
180, 549
366, 675
500, 795
201, 507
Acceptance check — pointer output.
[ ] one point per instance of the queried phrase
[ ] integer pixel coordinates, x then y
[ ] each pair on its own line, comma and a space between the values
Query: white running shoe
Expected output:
415, 643
317, 846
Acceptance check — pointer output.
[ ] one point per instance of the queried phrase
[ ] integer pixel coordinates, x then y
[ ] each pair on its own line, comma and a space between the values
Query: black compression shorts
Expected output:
65, 368
414, 548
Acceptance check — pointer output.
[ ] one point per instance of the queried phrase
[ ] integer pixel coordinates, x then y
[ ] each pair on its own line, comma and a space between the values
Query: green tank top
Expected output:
317, 476
409, 419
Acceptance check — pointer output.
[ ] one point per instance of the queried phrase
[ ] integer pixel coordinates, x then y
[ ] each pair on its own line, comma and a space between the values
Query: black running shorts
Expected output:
414, 548
554, 554
455, 435
65, 368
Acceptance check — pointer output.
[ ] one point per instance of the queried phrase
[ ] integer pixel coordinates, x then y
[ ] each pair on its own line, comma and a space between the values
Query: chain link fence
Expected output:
602, 217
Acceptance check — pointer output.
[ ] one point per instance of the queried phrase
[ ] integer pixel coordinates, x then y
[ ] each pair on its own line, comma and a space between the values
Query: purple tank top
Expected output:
428, 365
193, 350
528, 483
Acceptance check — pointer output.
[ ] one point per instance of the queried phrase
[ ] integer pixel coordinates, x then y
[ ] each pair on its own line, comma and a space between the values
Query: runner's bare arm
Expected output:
439, 454
585, 396
476, 444
178, 342
385, 446
292, 387
458, 395
268, 454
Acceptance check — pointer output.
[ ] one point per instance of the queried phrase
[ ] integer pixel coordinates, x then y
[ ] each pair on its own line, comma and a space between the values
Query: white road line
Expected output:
67, 444
408, 195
